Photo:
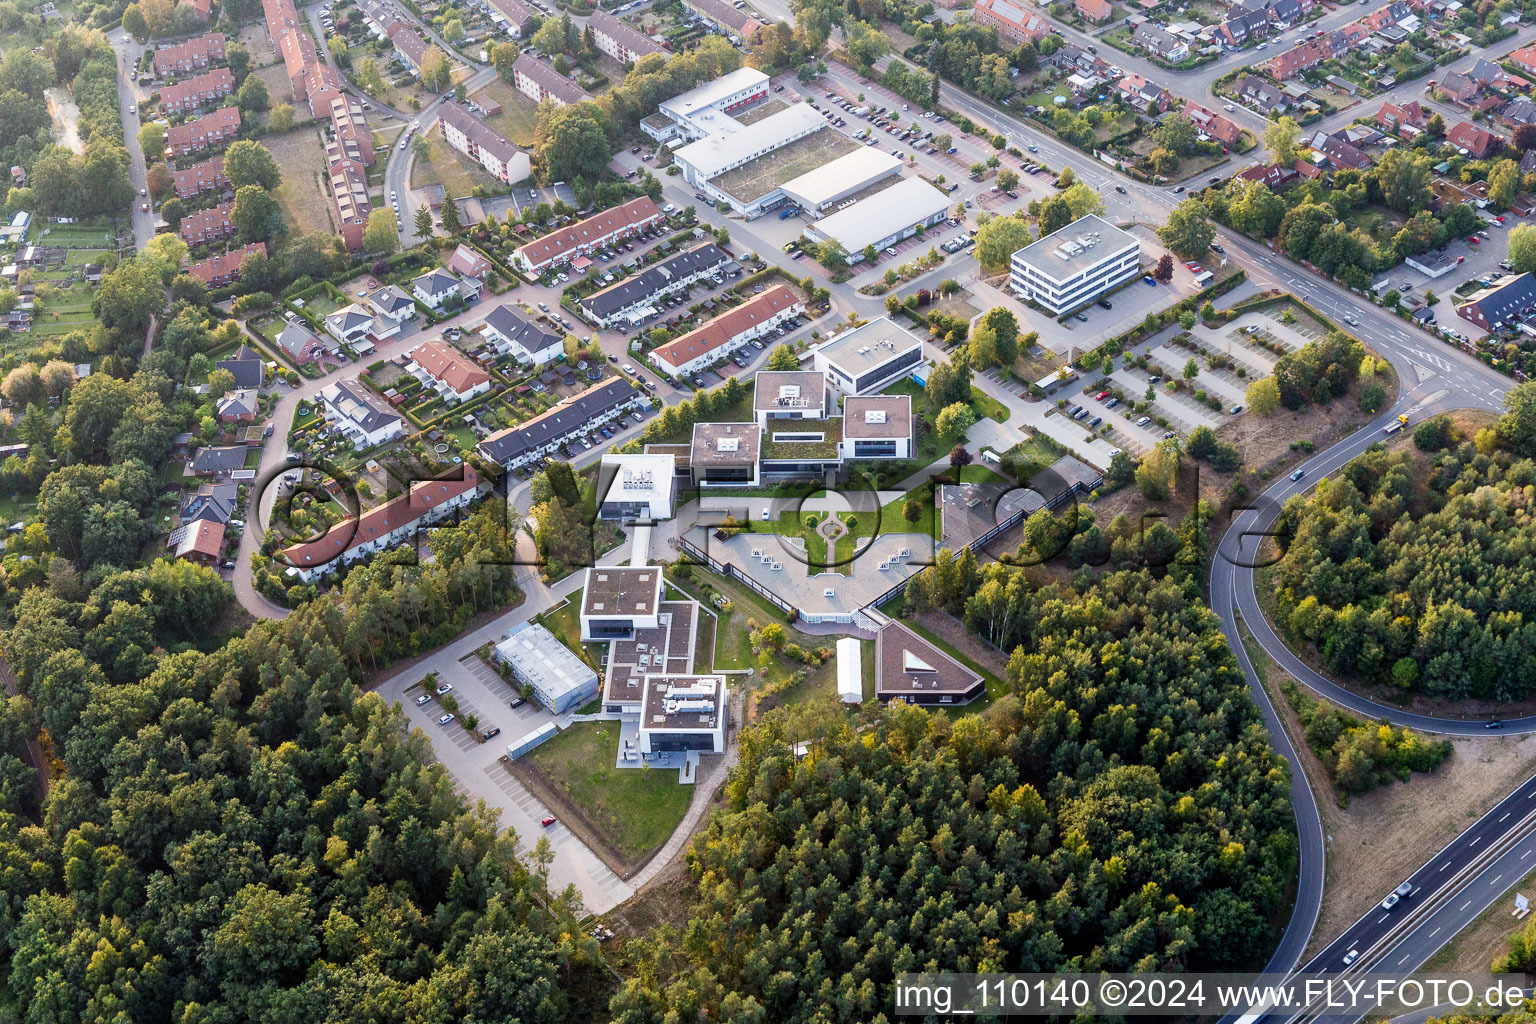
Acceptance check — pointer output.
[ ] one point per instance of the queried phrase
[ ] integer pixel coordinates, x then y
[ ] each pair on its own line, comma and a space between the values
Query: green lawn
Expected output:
980, 475
988, 408
564, 620
636, 809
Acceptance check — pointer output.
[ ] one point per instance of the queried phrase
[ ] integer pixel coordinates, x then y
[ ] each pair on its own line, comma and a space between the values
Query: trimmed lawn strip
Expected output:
635, 809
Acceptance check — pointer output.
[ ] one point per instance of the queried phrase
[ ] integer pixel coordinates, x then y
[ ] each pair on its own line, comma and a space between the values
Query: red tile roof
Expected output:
568, 239
424, 496
703, 340
449, 365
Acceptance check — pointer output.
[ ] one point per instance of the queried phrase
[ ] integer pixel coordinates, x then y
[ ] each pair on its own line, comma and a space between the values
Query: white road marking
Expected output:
1445, 865
1506, 814
1465, 905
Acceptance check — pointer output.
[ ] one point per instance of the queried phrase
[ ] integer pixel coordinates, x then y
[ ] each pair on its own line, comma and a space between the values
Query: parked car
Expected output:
443, 688
547, 820
445, 719
425, 698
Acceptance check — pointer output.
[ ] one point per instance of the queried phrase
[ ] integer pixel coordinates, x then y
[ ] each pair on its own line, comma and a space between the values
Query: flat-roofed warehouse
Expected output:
734, 146
885, 218
560, 680
831, 183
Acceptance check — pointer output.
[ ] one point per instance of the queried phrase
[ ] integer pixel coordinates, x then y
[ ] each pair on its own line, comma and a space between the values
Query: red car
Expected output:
1101, 396
1474, 240
1499, 219
1461, 259
548, 821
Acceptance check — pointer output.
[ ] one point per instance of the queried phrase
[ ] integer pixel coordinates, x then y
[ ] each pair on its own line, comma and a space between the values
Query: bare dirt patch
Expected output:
1365, 855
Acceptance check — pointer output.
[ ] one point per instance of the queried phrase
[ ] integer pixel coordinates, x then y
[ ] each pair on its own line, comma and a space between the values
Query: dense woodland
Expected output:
243, 833
1421, 576
1122, 810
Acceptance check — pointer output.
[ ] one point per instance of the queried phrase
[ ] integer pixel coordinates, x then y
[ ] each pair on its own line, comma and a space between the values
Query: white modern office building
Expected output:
683, 713
1069, 268
868, 358
883, 219
689, 116
637, 488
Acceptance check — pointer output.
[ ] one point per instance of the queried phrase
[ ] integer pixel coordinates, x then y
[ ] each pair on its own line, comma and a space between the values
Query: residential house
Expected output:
435, 287
217, 461
392, 303
718, 338
357, 414
209, 130
539, 82
355, 325
1524, 58
238, 406
1518, 112
449, 372
1096, 11
1502, 302
1272, 175
1299, 58
246, 367
386, 526
634, 298
624, 43
726, 18
1012, 22
515, 15
351, 128
1160, 43
203, 226
1478, 142
1408, 119
349, 191
1285, 13
192, 55
564, 244
411, 48
531, 441
1144, 95
480, 142
511, 333
213, 502
1213, 124
201, 9
223, 269
197, 91
466, 262
1341, 152
1263, 96
300, 345
200, 542
205, 176
1243, 24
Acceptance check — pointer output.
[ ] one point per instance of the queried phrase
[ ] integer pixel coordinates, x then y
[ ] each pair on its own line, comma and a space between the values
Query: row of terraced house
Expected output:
350, 152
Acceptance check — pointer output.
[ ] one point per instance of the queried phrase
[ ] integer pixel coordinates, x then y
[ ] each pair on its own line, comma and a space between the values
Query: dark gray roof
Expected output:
359, 405
1508, 296
559, 422
654, 280
222, 460
215, 504
519, 330
247, 372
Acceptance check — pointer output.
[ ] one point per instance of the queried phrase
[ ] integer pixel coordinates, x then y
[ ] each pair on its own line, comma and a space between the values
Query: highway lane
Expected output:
1435, 878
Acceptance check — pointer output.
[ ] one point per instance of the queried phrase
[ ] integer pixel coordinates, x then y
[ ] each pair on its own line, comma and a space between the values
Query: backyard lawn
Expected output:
519, 117
636, 809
